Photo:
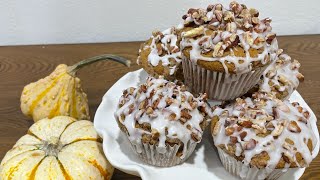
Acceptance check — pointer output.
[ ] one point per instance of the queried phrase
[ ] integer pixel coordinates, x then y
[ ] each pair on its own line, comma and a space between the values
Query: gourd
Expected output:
60, 93
57, 148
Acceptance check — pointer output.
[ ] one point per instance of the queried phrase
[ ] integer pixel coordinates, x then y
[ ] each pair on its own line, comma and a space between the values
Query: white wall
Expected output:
80, 21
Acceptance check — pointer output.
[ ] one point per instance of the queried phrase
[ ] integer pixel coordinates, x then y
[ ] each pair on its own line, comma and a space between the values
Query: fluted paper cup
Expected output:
217, 85
150, 155
237, 168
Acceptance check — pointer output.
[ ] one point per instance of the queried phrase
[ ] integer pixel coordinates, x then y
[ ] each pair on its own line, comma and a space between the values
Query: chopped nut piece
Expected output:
159, 49
131, 108
278, 130
294, 127
270, 126
246, 124
242, 135
229, 131
218, 50
218, 7
183, 120
169, 101
193, 104
251, 144
183, 88
232, 41
288, 140
235, 7
275, 112
155, 134
306, 114
283, 79
149, 110
279, 51
270, 37
258, 129
156, 103
185, 114
172, 116
218, 15
255, 20
300, 77
184, 17
143, 88
254, 12
210, 7
248, 38
285, 158
131, 90
233, 139
266, 20
258, 41
231, 27
195, 137
157, 33
228, 16
194, 32
191, 10
239, 128
143, 104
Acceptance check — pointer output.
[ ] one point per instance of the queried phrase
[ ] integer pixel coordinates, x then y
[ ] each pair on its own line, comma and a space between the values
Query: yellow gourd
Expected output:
57, 148
60, 93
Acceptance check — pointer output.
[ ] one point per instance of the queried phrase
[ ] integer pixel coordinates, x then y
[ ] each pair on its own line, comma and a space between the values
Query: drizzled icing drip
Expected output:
164, 48
160, 111
218, 30
282, 77
265, 126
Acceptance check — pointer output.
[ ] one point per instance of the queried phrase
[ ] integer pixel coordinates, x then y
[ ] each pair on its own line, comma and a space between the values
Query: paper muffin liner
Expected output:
246, 172
150, 155
217, 85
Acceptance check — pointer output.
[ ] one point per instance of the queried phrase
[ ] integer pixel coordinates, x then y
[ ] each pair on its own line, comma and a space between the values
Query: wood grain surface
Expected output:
20, 65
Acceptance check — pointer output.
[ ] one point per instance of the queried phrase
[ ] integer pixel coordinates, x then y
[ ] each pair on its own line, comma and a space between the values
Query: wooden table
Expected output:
20, 65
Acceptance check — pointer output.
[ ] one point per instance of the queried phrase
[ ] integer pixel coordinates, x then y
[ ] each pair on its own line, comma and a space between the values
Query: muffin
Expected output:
261, 137
162, 121
161, 55
226, 51
282, 77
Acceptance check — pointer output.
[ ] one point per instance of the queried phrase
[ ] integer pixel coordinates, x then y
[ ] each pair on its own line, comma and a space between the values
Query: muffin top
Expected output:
265, 132
230, 40
282, 77
162, 49
162, 113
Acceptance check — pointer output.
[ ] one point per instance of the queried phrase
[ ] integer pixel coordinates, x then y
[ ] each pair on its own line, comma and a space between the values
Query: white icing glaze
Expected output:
254, 36
168, 39
160, 118
282, 75
262, 110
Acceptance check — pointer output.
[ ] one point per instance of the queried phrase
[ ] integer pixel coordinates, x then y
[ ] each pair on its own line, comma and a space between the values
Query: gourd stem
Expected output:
74, 68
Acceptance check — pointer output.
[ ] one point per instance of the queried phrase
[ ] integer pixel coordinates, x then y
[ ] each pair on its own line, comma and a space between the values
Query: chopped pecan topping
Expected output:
251, 144
294, 127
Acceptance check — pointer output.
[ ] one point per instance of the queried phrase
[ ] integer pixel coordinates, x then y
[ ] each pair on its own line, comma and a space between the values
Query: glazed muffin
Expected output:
162, 121
161, 55
282, 77
227, 50
261, 137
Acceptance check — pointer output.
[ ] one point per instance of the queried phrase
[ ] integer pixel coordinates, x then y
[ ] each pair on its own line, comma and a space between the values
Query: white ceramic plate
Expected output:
203, 164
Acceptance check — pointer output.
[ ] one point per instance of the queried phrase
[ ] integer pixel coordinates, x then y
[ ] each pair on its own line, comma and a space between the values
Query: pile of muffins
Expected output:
227, 54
